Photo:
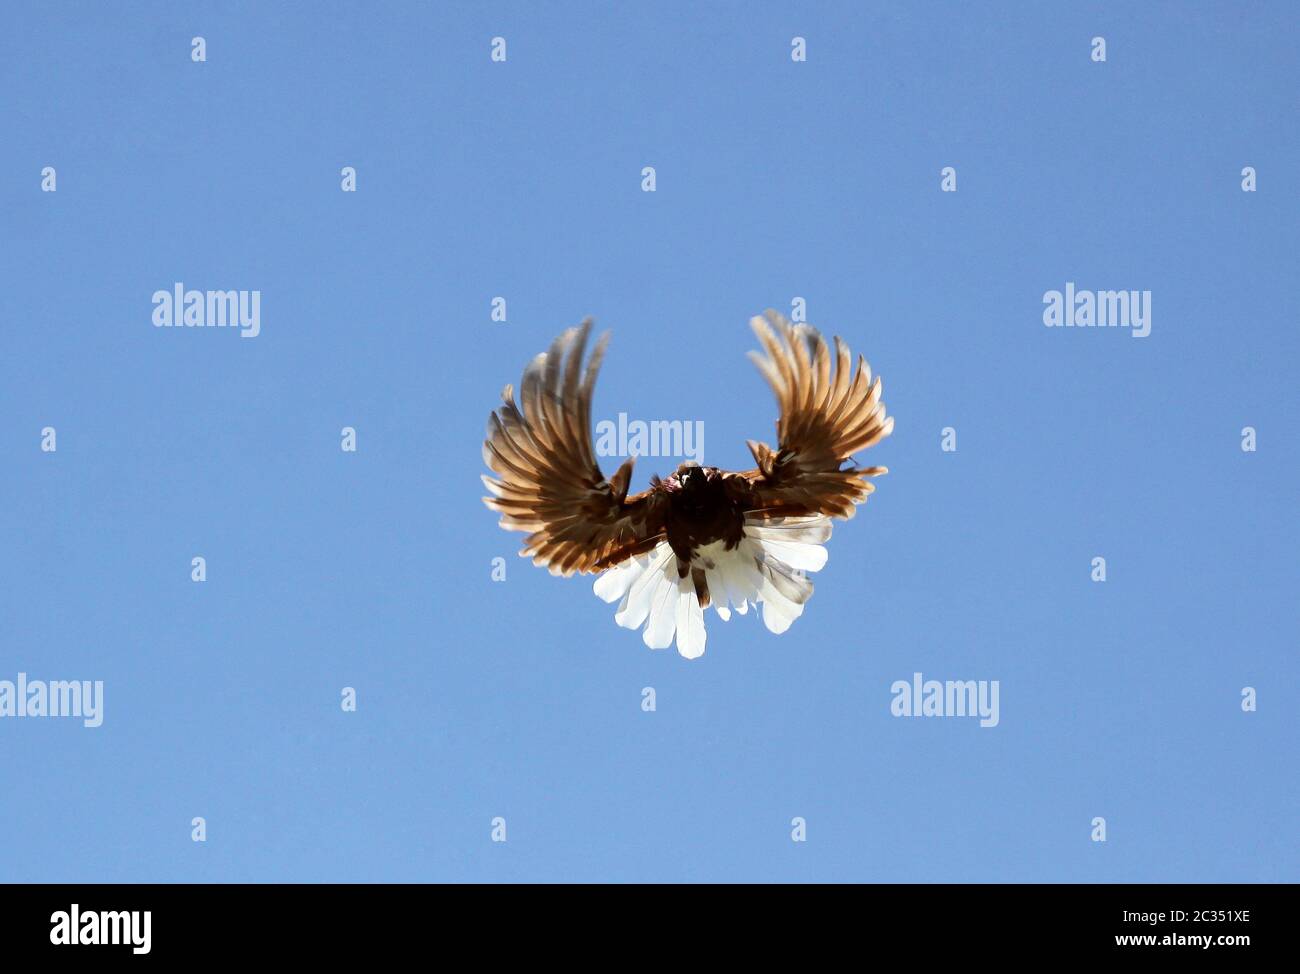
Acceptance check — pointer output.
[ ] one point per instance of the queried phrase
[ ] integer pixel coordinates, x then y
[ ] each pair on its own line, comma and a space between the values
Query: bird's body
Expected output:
703, 507
702, 536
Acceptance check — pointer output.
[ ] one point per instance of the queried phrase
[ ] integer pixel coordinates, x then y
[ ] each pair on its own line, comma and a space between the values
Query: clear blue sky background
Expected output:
522, 698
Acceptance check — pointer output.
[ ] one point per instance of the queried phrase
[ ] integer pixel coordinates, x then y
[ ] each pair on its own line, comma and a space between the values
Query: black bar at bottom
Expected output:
144, 923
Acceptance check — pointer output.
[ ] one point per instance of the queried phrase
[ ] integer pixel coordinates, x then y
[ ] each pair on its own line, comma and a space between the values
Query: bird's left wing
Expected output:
827, 415
547, 480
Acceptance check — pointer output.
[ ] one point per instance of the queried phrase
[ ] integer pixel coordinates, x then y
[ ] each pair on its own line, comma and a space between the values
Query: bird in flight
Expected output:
735, 540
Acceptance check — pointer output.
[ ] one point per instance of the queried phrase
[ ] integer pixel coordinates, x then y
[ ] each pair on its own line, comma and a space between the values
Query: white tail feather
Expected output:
765, 569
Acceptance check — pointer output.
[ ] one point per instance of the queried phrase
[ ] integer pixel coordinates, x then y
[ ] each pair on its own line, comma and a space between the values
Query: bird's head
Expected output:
691, 475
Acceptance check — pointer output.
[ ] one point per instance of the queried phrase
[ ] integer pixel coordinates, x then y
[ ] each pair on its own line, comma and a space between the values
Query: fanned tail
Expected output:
767, 569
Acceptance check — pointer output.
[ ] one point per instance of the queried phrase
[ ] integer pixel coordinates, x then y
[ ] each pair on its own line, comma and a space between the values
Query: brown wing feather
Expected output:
547, 480
826, 417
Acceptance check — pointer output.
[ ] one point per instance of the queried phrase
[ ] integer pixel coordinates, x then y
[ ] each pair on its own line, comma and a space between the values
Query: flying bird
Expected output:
735, 540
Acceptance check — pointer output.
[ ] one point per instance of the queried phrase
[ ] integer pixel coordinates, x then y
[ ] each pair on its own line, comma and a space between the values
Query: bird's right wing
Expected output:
825, 418
547, 480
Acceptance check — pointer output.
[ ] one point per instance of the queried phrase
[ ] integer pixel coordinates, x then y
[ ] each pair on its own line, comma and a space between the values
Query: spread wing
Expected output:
547, 480
826, 416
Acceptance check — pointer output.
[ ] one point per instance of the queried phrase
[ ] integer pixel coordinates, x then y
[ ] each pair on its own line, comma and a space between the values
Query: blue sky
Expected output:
522, 179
